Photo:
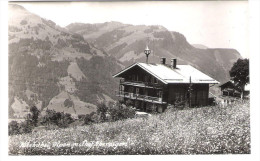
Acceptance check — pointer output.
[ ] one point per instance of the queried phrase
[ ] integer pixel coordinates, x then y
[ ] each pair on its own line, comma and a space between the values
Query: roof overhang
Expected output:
169, 81
122, 71
137, 64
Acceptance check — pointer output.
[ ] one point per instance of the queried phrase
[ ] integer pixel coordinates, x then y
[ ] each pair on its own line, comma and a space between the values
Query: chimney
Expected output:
173, 63
163, 61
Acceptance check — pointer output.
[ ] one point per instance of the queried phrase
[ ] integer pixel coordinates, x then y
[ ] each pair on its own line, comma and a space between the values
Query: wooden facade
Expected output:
145, 90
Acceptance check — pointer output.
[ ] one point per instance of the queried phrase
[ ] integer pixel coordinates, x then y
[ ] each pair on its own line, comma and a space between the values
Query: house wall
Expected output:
136, 74
171, 92
179, 92
139, 75
200, 95
176, 92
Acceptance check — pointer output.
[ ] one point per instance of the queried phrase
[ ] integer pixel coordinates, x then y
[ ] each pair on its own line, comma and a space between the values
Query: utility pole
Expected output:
190, 89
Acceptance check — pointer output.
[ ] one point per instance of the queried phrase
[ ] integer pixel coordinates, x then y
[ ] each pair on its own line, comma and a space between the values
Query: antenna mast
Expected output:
147, 52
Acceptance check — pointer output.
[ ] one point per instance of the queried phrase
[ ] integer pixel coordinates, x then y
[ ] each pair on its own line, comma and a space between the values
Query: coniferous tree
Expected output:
34, 115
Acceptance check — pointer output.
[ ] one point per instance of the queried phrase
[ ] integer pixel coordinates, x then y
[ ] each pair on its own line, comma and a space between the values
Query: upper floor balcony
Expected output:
140, 97
141, 83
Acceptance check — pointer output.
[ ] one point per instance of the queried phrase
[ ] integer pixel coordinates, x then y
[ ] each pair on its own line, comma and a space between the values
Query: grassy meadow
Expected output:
206, 130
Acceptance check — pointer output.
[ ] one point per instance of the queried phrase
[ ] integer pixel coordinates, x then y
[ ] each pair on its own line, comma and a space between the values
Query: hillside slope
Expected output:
48, 65
207, 130
127, 42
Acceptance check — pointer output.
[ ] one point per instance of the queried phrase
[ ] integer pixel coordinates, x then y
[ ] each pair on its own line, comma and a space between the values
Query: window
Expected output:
160, 94
137, 90
131, 89
155, 80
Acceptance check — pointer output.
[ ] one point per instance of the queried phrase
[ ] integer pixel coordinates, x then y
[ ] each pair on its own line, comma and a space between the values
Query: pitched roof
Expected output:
230, 82
168, 75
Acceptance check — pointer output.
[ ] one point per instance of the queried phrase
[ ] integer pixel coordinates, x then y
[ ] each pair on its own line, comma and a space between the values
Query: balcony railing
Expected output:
140, 97
140, 83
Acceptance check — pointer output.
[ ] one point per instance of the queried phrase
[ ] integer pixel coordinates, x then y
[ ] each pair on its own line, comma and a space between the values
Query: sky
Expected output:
214, 24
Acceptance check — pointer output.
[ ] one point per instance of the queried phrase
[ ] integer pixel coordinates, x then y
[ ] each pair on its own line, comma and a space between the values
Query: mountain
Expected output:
70, 69
52, 68
126, 42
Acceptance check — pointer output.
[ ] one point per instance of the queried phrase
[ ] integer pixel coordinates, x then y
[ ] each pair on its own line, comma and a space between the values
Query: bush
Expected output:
49, 118
64, 119
127, 112
95, 118
26, 127
60, 119
13, 128
120, 111
90, 118
207, 130
81, 116
129, 103
102, 110
34, 115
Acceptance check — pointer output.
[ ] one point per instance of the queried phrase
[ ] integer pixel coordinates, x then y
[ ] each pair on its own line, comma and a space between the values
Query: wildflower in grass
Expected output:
188, 131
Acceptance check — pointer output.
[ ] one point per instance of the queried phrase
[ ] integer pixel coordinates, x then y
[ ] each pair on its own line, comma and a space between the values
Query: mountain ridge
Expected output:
126, 42
47, 61
70, 69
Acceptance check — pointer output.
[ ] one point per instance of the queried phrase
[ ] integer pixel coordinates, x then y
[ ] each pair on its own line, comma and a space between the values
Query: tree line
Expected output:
51, 119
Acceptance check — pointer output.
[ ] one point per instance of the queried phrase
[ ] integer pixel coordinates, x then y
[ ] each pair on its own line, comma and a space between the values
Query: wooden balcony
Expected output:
141, 84
135, 96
